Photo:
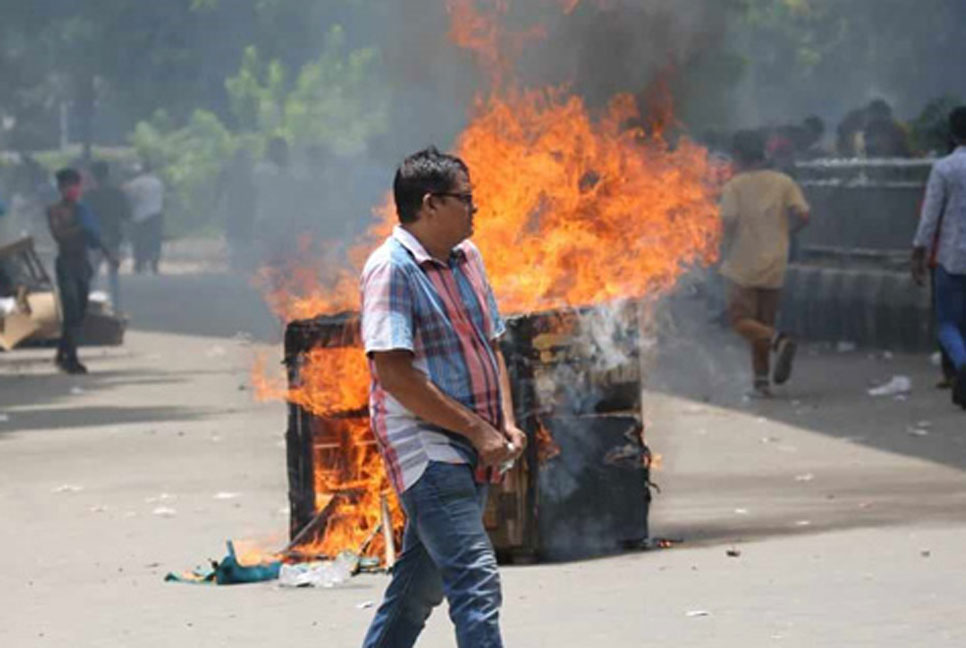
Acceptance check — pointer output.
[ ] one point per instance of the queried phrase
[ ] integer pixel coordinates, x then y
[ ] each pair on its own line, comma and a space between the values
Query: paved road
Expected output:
849, 512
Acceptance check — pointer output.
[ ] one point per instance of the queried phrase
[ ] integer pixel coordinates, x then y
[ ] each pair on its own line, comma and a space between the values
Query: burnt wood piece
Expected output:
315, 525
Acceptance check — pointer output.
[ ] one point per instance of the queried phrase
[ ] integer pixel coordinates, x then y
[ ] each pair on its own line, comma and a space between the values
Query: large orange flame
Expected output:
575, 208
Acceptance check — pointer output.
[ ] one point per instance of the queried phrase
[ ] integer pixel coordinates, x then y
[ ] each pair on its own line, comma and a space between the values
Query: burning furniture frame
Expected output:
582, 488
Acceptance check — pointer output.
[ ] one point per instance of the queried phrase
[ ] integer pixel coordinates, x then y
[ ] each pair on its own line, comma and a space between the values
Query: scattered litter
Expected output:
925, 553
919, 432
4, 417
242, 387
216, 351
228, 572
741, 511
900, 398
846, 347
164, 511
769, 439
68, 488
365, 605
696, 613
805, 477
733, 553
925, 425
803, 523
328, 573
225, 495
76, 391
898, 385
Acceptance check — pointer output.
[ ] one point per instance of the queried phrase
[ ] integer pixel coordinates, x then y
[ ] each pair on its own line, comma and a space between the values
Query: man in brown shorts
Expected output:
760, 208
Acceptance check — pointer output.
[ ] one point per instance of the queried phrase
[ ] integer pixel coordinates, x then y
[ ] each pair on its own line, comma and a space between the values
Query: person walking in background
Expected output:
945, 203
146, 193
113, 211
75, 231
760, 208
237, 188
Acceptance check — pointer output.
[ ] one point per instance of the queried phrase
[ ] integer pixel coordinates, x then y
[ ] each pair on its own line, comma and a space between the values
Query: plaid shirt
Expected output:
446, 315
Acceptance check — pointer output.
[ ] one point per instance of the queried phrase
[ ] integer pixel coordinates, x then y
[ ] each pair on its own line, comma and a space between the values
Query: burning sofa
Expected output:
581, 489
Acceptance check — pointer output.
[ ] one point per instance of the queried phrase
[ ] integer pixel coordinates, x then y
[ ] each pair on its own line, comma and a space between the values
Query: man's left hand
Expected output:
518, 438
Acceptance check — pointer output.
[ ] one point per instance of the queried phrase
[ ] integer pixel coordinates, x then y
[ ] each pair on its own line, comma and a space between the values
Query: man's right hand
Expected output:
491, 445
919, 269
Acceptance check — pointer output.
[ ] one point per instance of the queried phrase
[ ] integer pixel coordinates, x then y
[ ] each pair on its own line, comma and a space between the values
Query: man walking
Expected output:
75, 231
112, 210
440, 403
946, 204
760, 209
146, 192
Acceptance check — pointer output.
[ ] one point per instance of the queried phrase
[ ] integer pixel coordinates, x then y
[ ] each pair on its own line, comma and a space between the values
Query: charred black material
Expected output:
592, 497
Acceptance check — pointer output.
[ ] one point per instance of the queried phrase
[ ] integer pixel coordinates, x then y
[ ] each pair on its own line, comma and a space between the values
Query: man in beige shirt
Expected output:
760, 208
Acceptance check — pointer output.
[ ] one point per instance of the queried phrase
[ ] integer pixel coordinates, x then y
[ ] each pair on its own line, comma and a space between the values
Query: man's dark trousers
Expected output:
74, 285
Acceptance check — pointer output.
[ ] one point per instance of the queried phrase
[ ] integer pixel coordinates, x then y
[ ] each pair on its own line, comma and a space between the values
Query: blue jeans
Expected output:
445, 551
950, 290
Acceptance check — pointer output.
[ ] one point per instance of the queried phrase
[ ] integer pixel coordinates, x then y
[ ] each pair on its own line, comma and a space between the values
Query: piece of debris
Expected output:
925, 425
919, 432
887, 355
98, 509
936, 359
741, 511
897, 386
76, 391
733, 553
365, 605
164, 511
803, 523
216, 351
846, 347
696, 613
4, 417
226, 495
67, 488
327, 573
229, 571
805, 477
925, 553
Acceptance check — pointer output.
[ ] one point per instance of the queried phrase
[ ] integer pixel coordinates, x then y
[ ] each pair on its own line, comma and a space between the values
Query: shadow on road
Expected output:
79, 417
701, 361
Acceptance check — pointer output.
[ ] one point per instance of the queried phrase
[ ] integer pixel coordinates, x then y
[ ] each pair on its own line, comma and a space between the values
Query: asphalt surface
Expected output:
844, 514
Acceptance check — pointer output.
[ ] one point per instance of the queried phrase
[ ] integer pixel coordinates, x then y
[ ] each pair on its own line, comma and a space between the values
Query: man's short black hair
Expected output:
957, 124
101, 170
67, 177
749, 146
427, 171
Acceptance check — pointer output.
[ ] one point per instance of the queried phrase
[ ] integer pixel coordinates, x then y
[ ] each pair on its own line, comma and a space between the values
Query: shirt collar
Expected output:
414, 247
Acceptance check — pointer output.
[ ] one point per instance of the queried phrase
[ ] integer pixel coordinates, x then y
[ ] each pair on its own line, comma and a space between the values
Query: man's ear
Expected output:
429, 202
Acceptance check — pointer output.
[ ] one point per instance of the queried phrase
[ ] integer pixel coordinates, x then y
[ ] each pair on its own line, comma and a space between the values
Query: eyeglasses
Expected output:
465, 198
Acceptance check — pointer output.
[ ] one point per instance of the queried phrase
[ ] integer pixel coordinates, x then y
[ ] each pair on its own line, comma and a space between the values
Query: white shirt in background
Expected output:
146, 193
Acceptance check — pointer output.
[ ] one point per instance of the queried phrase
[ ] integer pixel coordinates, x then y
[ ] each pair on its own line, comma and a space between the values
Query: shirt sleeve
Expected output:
88, 223
932, 209
387, 309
